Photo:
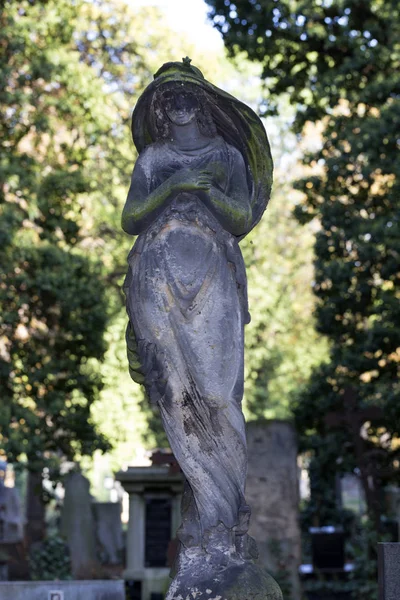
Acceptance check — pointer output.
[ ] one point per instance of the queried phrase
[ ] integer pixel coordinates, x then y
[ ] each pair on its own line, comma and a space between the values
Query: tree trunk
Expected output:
35, 510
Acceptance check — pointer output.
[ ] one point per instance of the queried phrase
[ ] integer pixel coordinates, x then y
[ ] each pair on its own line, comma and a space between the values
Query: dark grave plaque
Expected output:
157, 531
327, 545
133, 589
156, 596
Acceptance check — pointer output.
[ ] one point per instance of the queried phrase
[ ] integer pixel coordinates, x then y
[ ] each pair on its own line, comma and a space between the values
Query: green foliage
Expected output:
52, 311
52, 295
338, 63
50, 560
365, 574
281, 574
281, 343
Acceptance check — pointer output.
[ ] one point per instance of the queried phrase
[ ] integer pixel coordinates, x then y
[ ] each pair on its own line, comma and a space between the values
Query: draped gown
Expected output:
187, 305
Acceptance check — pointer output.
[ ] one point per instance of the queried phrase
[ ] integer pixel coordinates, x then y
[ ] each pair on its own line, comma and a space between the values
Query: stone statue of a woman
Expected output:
201, 182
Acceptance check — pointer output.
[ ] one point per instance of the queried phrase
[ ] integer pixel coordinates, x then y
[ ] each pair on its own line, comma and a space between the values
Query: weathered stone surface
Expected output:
70, 590
11, 520
108, 525
211, 580
389, 571
273, 493
77, 525
201, 183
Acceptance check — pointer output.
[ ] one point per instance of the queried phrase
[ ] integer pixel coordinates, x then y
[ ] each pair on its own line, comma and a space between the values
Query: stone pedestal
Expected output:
272, 492
150, 489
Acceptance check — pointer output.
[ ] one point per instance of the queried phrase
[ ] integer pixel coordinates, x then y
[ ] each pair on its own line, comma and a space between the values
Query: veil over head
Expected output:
235, 122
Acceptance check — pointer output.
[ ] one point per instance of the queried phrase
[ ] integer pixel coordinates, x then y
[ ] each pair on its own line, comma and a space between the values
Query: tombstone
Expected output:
11, 520
154, 516
107, 517
35, 530
327, 547
389, 571
392, 509
352, 496
272, 491
77, 525
12, 557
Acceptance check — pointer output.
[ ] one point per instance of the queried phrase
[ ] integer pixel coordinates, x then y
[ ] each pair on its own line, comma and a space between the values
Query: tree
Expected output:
282, 345
338, 63
54, 112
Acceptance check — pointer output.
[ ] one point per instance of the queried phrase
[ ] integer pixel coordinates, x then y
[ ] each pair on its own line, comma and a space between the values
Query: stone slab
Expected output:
62, 590
272, 491
389, 571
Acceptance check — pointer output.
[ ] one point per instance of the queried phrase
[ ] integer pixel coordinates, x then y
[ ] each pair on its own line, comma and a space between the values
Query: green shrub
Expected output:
50, 560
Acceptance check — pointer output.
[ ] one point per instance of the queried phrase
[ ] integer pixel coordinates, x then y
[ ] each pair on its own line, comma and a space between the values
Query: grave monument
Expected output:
200, 184
78, 527
154, 516
12, 556
11, 520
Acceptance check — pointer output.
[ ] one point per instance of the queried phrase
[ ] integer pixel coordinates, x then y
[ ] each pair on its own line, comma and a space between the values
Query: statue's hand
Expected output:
187, 180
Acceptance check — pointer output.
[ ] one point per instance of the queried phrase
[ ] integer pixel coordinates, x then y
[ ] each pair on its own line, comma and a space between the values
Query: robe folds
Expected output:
187, 306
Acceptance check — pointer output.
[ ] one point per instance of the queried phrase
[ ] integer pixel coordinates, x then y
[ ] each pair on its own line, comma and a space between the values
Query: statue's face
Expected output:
181, 107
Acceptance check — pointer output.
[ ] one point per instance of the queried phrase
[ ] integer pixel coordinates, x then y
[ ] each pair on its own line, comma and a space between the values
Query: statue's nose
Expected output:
180, 104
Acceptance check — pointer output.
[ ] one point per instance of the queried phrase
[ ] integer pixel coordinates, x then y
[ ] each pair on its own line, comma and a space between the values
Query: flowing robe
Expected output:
187, 306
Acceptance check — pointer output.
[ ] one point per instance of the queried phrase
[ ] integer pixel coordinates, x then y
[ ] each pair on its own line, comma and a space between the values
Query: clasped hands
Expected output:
188, 180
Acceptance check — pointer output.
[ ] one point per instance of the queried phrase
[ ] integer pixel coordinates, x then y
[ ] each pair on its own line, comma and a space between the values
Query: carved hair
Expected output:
204, 117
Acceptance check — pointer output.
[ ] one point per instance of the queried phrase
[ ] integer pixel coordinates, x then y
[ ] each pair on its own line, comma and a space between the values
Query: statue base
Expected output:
201, 576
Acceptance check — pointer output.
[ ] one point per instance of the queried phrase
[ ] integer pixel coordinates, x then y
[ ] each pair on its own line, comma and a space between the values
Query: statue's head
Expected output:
181, 103
180, 86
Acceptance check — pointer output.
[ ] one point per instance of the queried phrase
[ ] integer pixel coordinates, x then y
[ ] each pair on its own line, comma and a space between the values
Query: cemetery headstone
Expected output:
327, 546
389, 571
154, 501
11, 519
273, 491
35, 529
352, 496
12, 555
109, 535
77, 525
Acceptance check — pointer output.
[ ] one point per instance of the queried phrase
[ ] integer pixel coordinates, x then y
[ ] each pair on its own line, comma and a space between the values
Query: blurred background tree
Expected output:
52, 293
338, 63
